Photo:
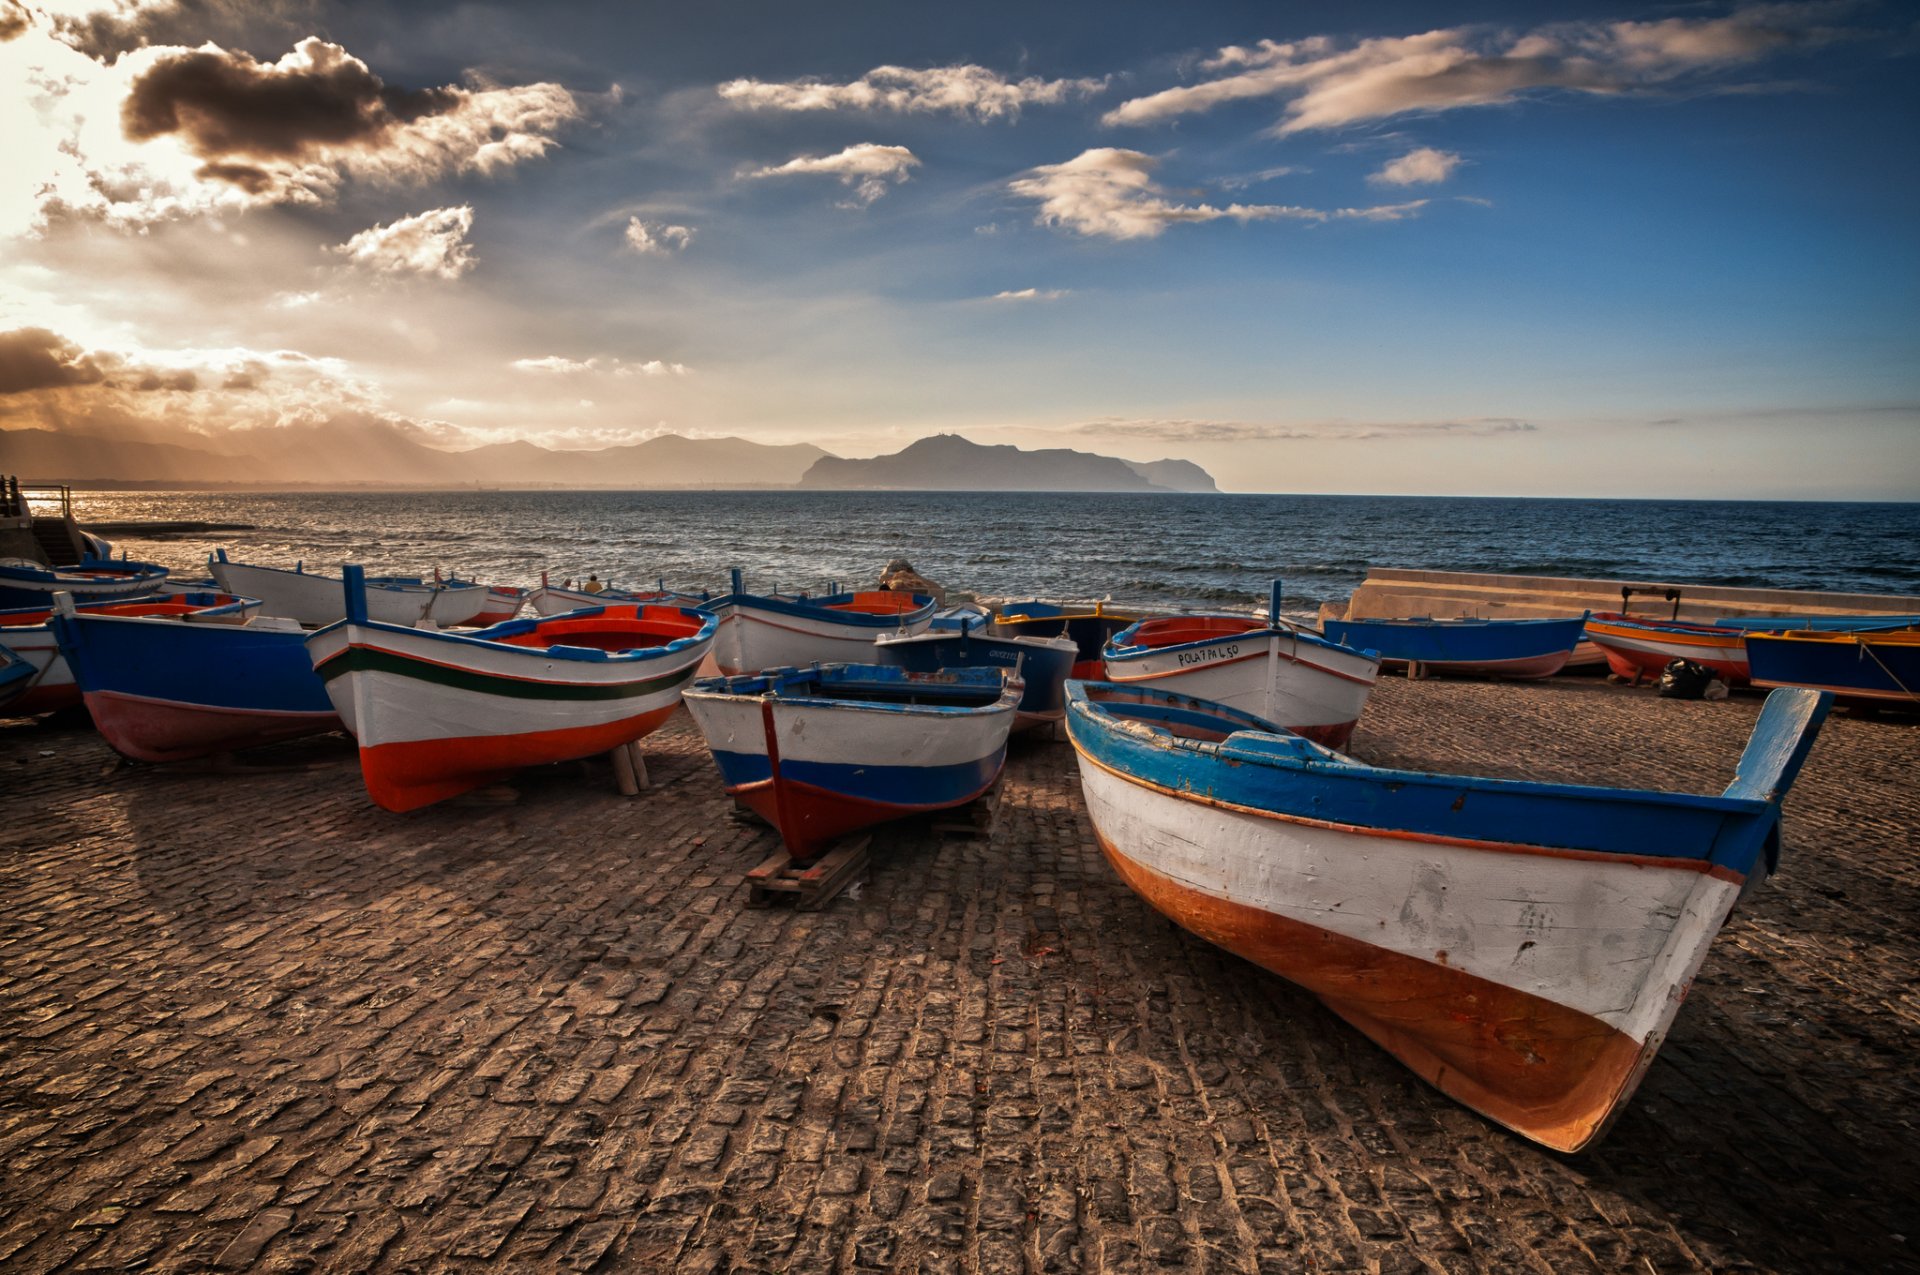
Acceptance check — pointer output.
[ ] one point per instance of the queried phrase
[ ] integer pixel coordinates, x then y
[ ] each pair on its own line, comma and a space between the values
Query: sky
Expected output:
1518, 249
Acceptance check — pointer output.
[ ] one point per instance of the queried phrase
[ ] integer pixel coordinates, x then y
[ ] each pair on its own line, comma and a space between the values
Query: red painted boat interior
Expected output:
22, 618
1178, 629
616, 628
879, 602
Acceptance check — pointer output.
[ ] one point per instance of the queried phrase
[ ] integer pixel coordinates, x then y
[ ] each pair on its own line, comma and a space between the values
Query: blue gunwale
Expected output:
1253, 766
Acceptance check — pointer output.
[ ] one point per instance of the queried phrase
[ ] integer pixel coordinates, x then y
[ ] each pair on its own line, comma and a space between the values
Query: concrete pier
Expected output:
248, 1021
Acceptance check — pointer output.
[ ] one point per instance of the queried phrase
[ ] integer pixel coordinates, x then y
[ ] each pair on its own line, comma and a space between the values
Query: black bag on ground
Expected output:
1683, 679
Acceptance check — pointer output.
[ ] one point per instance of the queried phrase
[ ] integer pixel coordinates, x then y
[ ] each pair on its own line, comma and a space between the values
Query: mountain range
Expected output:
378, 453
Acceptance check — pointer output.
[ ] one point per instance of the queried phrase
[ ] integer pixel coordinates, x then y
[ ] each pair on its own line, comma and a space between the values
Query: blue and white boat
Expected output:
28, 633
1877, 667
767, 631
172, 687
1520, 649
25, 583
823, 751
963, 638
1521, 946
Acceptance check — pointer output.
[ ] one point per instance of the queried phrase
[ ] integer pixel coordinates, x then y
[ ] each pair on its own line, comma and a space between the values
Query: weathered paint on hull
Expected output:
1540, 1015
749, 641
160, 731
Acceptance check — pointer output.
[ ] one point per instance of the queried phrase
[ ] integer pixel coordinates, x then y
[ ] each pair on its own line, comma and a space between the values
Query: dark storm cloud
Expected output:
36, 359
13, 20
225, 104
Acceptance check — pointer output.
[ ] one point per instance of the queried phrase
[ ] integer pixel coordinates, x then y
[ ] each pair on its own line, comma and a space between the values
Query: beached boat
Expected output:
966, 640
1089, 624
1866, 667
439, 714
1521, 946
503, 603
172, 687
315, 599
1638, 646
26, 583
1521, 649
823, 751
1269, 666
28, 633
765, 631
553, 599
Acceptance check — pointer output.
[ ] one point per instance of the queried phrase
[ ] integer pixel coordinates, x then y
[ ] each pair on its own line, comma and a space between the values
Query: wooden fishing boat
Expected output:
26, 583
823, 751
315, 599
966, 641
765, 631
438, 714
552, 599
1523, 947
1090, 625
171, 687
1639, 647
1876, 667
1269, 666
28, 633
1519, 649
503, 603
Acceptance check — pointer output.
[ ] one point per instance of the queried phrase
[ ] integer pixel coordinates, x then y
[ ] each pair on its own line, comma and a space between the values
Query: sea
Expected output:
1163, 550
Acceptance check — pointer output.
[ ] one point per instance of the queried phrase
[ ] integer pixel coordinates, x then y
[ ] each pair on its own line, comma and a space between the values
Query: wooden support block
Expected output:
623, 776
639, 760
810, 885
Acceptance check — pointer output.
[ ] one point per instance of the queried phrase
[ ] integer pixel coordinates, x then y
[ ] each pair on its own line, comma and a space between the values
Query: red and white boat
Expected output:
1267, 667
438, 714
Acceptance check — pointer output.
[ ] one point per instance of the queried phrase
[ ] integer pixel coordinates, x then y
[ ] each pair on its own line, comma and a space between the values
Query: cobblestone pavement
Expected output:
249, 1021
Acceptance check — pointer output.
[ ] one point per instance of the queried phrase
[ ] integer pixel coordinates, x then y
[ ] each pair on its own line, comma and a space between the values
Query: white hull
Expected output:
848, 734
750, 640
1606, 936
1297, 686
314, 600
381, 707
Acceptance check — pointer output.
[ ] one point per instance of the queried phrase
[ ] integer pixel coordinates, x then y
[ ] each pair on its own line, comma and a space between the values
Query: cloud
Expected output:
1183, 430
1032, 294
432, 243
1111, 192
36, 359
165, 131
866, 166
656, 237
1326, 85
1425, 166
958, 90
559, 365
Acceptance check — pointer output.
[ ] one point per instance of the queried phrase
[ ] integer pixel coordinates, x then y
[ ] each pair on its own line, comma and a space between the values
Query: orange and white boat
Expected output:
438, 714
1640, 647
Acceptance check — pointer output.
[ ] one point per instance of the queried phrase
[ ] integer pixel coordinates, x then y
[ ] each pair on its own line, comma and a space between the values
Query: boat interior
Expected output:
611, 629
881, 602
1178, 630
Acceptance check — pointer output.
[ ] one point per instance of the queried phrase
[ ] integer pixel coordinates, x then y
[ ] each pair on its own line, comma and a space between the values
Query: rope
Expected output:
1860, 641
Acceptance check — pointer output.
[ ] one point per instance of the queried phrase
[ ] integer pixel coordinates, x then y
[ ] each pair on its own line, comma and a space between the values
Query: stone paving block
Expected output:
253, 1022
